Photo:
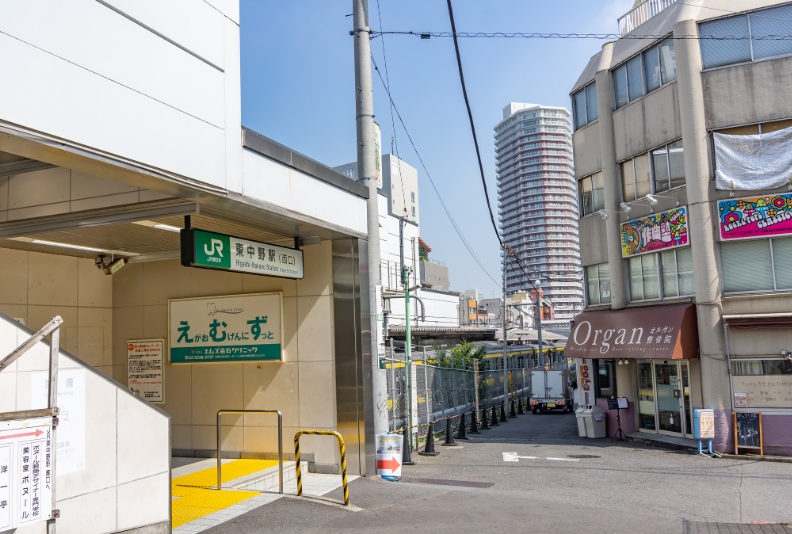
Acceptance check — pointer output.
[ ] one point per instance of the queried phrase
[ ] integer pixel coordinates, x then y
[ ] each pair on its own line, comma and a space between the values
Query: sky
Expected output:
298, 89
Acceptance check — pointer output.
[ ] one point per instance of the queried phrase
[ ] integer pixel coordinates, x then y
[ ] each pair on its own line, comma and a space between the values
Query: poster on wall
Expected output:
378, 153
746, 218
71, 415
144, 368
659, 231
237, 328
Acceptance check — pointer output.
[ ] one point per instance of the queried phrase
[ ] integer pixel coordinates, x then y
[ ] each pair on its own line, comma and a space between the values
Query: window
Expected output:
766, 383
636, 179
413, 211
606, 378
757, 265
644, 73
598, 284
775, 21
584, 106
669, 166
668, 274
412, 196
592, 194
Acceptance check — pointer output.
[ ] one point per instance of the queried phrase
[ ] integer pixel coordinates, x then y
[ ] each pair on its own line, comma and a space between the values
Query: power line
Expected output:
431, 181
538, 35
472, 125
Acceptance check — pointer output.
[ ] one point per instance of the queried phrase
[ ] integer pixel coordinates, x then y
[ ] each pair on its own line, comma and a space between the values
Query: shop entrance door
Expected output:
663, 397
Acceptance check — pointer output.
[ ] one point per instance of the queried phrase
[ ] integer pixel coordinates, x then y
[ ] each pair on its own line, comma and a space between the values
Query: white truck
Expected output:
550, 391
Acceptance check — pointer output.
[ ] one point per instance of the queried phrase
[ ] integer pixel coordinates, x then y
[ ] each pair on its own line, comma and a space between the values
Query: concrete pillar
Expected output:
702, 219
610, 178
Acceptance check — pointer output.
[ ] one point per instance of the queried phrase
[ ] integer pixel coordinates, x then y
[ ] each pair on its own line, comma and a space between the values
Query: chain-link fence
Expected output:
442, 392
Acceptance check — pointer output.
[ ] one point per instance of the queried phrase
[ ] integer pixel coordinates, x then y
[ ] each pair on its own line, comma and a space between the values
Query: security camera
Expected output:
111, 268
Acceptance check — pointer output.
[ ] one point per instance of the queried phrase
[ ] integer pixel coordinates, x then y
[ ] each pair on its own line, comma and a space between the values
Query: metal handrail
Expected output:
280, 443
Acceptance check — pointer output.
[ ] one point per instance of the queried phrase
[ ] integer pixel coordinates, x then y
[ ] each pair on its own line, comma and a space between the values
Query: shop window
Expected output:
757, 265
592, 194
606, 378
644, 73
598, 284
584, 106
762, 383
667, 274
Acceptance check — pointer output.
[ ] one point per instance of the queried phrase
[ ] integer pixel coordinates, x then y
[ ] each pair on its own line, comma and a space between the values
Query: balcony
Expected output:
641, 13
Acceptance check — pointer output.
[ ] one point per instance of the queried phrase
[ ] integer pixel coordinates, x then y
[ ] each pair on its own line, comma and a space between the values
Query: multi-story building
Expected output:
682, 157
537, 205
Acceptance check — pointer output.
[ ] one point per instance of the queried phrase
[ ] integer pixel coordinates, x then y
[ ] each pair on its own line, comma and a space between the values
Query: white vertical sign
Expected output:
71, 414
414, 395
145, 367
25, 472
378, 153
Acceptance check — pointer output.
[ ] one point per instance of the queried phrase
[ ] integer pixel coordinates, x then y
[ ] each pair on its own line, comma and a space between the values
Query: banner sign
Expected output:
660, 231
209, 250
746, 218
240, 328
26, 475
144, 368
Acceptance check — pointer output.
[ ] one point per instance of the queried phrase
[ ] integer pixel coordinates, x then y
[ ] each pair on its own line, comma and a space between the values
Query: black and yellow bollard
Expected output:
484, 422
461, 428
494, 417
473, 423
429, 449
449, 434
503, 414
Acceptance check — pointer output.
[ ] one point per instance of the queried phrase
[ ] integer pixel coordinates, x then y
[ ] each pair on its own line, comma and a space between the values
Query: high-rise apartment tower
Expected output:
538, 204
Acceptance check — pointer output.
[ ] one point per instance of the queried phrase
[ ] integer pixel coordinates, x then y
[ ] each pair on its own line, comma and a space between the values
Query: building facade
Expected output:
537, 205
685, 242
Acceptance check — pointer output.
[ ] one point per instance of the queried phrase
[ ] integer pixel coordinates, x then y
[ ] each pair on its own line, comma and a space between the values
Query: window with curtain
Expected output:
592, 194
668, 274
719, 52
644, 73
757, 265
598, 284
584, 106
636, 178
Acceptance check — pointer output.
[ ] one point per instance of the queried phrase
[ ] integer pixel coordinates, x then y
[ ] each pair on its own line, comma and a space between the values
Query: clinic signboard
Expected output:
748, 218
657, 232
209, 250
236, 328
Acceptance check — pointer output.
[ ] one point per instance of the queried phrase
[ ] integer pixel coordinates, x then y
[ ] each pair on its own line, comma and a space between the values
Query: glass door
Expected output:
687, 407
646, 396
669, 396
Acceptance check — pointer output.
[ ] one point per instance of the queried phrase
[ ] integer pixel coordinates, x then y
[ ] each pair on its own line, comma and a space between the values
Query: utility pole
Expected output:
367, 174
539, 320
407, 335
505, 350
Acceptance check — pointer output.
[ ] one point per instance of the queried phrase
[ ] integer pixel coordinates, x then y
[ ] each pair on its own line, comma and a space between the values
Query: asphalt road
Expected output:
613, 488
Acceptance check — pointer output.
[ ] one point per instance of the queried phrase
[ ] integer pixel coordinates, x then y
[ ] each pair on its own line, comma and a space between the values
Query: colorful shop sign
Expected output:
765, 216
209, 250
239, 328
660, 231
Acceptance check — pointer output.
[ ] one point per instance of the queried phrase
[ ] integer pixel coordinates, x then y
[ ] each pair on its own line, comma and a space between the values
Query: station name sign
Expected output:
209, 250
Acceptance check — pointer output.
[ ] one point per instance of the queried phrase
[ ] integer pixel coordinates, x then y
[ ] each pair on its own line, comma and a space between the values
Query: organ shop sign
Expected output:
236, 328
26, 472
664, 332
208, 250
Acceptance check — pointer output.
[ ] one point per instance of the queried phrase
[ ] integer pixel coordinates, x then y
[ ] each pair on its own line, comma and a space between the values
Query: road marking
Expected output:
563, 459
513, 457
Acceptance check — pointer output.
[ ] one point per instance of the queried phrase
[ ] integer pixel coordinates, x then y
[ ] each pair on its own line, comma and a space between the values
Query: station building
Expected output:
111, 145
681, 150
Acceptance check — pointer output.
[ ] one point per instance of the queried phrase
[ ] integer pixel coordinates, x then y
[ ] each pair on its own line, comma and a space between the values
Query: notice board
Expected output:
748, 431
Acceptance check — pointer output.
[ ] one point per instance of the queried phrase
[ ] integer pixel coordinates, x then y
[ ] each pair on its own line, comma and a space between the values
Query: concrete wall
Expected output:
124, 479
437, 275
36, 287
586, 150
593, 249
647, 122
302, 386
127, 90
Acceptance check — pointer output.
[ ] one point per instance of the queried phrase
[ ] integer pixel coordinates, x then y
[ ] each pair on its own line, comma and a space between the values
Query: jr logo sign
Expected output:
217, 247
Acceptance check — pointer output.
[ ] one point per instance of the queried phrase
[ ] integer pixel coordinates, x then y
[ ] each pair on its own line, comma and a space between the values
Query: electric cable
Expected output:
537, 35
431, 181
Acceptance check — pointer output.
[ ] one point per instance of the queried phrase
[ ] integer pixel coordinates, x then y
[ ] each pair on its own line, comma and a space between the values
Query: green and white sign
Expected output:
209, 250
239, 328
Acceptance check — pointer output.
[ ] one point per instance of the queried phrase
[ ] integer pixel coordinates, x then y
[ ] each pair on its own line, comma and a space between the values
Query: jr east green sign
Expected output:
239, 328
209, 250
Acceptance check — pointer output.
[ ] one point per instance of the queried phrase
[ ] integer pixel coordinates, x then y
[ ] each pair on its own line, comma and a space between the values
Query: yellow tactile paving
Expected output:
195, 501
231, 470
